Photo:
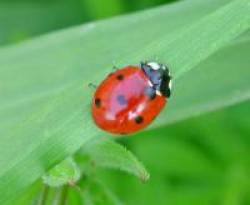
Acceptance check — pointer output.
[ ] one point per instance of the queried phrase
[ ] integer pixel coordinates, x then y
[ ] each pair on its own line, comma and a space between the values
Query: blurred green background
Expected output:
204, 160
23, 19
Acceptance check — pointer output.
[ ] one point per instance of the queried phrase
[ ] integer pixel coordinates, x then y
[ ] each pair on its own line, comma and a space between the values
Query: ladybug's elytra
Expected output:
130, 98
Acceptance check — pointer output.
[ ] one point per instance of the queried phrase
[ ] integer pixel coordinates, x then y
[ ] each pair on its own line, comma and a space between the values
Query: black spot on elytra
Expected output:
121, 100
150, 92
98, 102
120, 77
139, 119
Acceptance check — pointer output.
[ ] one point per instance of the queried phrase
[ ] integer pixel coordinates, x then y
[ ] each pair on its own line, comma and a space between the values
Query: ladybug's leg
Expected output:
92, 86
115, 67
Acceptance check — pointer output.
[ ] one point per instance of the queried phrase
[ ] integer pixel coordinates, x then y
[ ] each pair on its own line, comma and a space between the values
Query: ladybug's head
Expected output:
159, 77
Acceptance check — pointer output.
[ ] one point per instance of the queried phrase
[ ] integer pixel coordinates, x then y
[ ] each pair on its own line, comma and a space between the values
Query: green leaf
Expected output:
96, 193
221, 81
30, 196
45, 103
67, 172
109, 154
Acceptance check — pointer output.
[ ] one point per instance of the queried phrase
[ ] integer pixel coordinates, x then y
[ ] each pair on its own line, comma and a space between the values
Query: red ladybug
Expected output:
130, 98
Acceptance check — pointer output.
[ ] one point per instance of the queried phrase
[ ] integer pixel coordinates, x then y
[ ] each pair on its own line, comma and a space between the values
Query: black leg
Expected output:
92, 86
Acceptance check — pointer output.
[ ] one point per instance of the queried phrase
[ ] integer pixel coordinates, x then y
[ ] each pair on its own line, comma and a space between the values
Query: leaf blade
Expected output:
109, 154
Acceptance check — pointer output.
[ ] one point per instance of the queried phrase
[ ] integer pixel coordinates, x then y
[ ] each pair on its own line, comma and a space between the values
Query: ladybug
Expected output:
130, 98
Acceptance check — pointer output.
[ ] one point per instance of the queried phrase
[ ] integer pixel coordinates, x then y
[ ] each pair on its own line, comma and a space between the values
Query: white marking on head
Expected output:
163, 67
154, 65
170, 84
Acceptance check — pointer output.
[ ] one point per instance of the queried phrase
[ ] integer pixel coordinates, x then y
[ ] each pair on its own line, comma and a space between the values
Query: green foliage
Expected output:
98, 9
45, 103
95, 193
22, 20
108, 154
67, 172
